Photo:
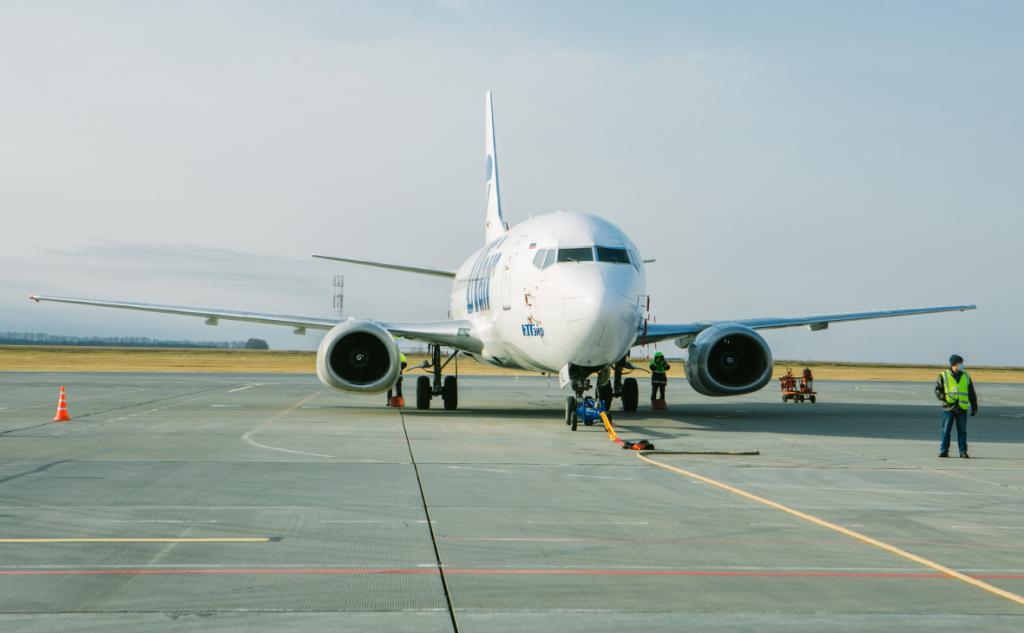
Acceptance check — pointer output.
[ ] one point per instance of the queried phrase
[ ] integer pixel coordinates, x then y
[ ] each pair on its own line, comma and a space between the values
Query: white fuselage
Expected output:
580, 303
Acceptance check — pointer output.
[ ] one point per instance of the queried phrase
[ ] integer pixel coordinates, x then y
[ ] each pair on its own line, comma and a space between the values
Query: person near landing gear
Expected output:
659, 378
397, 389
955, 389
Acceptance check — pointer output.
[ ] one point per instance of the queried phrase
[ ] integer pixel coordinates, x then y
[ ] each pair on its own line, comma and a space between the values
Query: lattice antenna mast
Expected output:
339, 295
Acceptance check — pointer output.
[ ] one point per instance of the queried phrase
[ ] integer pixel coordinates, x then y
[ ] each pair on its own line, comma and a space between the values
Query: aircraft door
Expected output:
506, 285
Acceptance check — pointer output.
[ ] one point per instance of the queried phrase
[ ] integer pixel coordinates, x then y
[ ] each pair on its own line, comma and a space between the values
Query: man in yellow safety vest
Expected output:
397, 389
955, 389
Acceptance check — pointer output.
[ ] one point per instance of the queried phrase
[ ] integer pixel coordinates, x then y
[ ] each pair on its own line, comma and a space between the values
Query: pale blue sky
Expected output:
776, 158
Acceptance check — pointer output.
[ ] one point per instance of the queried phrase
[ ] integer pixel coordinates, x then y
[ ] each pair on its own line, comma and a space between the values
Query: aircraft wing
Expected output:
661, 331
450, 333
420, 270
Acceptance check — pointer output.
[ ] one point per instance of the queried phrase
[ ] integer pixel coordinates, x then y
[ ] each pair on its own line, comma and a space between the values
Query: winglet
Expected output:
494, 222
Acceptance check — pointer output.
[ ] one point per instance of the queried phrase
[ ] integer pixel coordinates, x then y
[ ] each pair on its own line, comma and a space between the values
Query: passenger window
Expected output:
585, 254
550, 259
538, 259
612, 255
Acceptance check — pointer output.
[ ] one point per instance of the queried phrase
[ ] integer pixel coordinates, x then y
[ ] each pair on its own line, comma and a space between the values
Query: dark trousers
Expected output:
658, 381
949, 418
397, 388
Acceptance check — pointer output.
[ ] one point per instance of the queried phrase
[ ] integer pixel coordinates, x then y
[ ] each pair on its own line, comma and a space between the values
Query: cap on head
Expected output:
955, 359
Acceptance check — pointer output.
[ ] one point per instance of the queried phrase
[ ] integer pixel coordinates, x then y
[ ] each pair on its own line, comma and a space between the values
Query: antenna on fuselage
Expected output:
494, 221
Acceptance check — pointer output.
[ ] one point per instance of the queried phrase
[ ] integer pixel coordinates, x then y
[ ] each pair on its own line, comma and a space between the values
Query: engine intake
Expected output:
728, 360
358, 356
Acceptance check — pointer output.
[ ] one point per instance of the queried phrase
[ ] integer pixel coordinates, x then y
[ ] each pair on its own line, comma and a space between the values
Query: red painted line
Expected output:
487, 572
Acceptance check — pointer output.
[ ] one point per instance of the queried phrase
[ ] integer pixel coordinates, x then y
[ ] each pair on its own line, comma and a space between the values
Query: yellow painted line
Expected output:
143, 539
892, 549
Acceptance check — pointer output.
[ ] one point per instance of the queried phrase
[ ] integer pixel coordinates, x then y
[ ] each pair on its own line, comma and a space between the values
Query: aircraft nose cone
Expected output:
597, 315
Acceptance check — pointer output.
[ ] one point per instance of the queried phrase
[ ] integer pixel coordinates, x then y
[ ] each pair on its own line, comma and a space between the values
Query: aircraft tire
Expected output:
604, 395
570, 409
450, 393
630, 394
423, 392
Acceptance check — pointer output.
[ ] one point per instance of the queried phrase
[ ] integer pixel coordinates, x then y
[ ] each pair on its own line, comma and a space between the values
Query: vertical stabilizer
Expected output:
494, 223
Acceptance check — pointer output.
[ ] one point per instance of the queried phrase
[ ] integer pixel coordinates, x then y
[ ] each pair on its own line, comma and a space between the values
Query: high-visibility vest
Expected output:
958, 391
401, 357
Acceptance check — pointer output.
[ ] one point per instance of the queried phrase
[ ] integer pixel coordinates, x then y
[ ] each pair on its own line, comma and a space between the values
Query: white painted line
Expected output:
1011, 415
765, 484
247, 437
513, 539
153, 521
600, 477
373, 521
248, 440
987, 527
587, 522
860, 388
241, 389
226, 406
486, 470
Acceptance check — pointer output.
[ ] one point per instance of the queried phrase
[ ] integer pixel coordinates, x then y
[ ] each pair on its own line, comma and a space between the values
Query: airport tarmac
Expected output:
268, 502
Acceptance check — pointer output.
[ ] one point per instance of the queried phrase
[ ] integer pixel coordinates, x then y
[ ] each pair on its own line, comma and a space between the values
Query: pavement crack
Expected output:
430, 527
37, 469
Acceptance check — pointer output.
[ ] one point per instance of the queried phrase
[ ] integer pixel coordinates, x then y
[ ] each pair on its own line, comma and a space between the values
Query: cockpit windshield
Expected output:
607, 254
612, 255
584, 254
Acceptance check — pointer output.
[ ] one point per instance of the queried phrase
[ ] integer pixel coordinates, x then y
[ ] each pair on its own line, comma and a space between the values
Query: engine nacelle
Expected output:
728, 360
358, 356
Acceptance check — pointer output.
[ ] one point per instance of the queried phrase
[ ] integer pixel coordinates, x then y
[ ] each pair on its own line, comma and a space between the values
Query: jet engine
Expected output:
358, 356
728, 360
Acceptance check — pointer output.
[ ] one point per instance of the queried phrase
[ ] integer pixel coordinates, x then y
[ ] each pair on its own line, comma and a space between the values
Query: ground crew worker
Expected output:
398, 385
955, 389
807, 380
659, 377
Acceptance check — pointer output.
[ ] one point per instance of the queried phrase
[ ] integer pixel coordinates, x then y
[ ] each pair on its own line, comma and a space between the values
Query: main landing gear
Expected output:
448, 388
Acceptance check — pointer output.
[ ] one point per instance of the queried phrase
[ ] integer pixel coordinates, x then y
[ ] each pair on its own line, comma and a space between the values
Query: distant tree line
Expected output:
39, 338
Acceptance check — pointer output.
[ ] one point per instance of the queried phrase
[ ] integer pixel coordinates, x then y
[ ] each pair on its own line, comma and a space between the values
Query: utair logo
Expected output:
532, 329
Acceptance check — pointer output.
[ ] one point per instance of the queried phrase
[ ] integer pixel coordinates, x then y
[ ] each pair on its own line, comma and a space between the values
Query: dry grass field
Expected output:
114, 359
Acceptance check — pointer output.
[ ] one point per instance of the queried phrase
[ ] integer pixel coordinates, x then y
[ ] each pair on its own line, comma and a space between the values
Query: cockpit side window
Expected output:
612, 255
538, 259
550, 259
582, 254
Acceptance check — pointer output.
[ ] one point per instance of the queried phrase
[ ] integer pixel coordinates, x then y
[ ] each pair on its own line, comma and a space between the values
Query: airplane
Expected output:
561, 293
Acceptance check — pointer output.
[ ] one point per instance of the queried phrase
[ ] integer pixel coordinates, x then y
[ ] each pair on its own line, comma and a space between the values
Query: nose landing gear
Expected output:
448, 388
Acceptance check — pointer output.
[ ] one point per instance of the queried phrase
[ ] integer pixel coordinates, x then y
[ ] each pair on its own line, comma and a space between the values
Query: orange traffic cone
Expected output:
62, 408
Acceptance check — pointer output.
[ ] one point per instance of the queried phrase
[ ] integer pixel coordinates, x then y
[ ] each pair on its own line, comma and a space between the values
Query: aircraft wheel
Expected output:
570, 409
450, 393
604, 395
630, 394
423, 392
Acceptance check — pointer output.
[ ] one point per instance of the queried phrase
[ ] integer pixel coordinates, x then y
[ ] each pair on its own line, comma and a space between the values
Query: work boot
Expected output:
964, 456
944, 454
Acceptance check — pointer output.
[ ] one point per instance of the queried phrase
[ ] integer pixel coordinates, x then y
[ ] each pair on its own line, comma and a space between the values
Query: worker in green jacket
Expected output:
955, 390
659, 376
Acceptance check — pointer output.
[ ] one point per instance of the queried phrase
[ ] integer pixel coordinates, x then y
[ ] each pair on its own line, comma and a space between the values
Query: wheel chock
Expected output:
397, 401
659, 405
639, 445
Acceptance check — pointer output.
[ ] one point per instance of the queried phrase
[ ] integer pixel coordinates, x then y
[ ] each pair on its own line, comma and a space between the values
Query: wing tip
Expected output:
34, 298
